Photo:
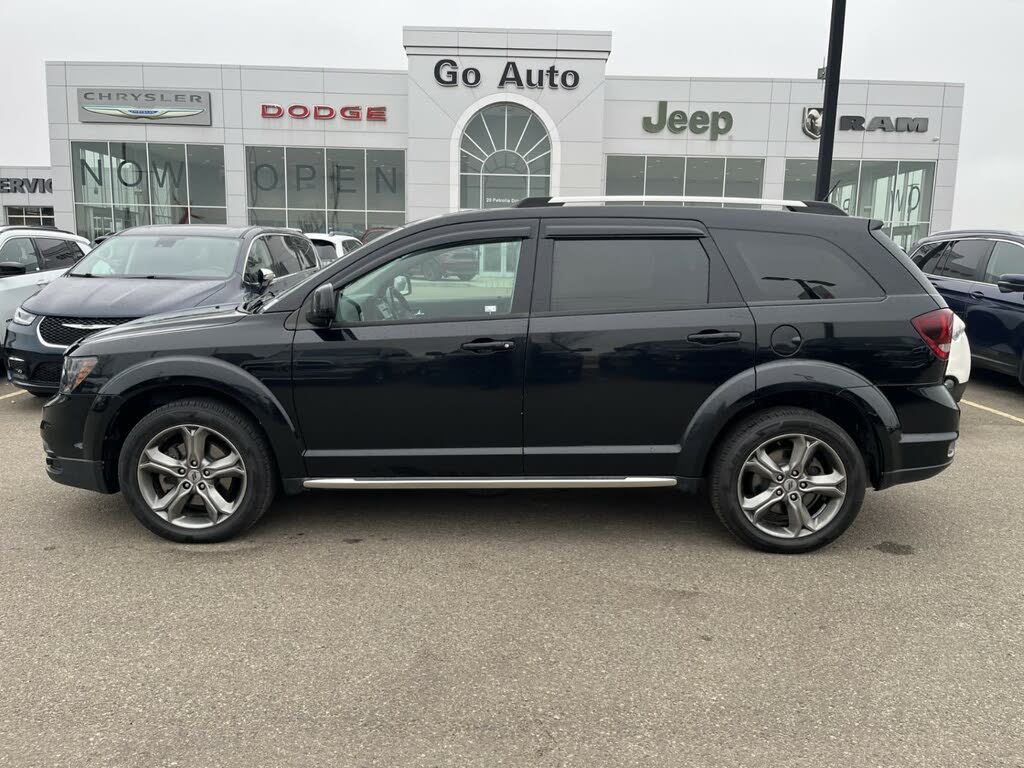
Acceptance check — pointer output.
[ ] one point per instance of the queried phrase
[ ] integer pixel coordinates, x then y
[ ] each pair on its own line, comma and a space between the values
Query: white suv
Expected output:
30, 257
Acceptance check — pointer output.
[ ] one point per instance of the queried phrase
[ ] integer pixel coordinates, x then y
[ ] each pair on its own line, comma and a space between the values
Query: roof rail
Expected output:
807, 206
45, 227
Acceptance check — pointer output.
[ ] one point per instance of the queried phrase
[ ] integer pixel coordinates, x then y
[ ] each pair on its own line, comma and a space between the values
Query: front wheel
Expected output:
787, 480
196, 471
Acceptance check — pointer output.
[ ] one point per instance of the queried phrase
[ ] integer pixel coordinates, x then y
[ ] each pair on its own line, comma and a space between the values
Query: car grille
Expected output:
47, 373
61, 331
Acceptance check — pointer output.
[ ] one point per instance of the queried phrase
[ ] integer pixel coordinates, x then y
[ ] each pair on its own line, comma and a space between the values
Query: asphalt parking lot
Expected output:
536, 628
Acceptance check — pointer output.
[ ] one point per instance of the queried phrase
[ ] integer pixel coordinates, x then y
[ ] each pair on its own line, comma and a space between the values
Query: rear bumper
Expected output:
916, 454
920, 456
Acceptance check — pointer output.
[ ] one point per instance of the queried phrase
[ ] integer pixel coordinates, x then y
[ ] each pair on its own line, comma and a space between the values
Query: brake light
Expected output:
936, 328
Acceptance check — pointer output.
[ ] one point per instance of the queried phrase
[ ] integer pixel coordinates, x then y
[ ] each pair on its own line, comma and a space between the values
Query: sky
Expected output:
979, 43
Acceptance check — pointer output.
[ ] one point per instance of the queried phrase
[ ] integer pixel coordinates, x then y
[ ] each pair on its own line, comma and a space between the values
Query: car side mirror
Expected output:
402, 285
321, 309
1007, 283
264, 277
11, 268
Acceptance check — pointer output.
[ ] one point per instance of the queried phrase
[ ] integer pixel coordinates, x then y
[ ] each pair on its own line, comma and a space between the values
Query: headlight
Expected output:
76, 369
21, 317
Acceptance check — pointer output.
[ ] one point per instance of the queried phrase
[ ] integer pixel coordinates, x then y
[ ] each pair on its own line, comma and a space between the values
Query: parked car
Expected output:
632, 347
463, 263
145, 271
958, 370
980, 274
330, 247
30, 257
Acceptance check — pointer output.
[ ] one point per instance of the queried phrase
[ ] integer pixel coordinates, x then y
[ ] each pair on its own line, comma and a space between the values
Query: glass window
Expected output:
168, 179
385, 180
268, 217
621, 275
877, 187
927, 258
347, 222
29, 217
305, 174
20, 251
346, 182
326, 250
259, 258
347, 246
56, 253
744, 176
304, 250
445, 284
625, 175
284, 257
381, 219
129, 175
94, 220
1006, 259
843, 186
788, 267
206, 175
665, 176
265, 174
504, 156
799, 180
207, 216
177, 256
90, 167
308, 221
705, 176
963, 259
130, 216
912, 192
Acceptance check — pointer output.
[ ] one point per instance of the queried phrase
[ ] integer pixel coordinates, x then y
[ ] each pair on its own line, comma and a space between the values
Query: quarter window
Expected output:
773, 266
20, 251
1006, 259
259, 258
622, 275
963, 258
928, 257
286, 257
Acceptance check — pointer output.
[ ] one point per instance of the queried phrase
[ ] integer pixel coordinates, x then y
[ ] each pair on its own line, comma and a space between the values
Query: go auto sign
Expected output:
323, 112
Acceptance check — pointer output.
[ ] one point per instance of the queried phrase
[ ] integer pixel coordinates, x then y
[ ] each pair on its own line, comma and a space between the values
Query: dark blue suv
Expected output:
980, 274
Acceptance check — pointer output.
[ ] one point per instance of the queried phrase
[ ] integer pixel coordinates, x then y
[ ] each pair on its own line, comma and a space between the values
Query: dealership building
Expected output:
481, 118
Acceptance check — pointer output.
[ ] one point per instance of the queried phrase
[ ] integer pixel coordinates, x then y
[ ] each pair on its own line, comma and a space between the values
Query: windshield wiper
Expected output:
81, 274
253, 305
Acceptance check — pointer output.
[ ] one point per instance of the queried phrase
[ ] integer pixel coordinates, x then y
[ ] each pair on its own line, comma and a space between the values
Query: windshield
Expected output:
186, 257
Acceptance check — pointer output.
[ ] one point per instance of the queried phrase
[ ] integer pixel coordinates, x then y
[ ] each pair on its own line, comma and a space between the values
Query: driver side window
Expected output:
454, 282
259, 258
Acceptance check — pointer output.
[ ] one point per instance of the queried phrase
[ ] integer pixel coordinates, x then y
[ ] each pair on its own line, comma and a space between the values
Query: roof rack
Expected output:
46, 227
808, 206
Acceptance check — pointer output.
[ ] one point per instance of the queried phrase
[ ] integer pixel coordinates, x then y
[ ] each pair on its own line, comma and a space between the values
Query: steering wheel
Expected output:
399, 306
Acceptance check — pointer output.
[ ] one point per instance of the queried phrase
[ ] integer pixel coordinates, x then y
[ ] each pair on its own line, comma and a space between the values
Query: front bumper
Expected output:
71, 458
31, 364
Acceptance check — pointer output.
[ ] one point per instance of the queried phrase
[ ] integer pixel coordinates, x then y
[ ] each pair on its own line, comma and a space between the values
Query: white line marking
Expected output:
1018, 419
14, 394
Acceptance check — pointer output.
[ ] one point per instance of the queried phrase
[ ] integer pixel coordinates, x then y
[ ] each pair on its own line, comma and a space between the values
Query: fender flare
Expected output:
209, 373
745, 389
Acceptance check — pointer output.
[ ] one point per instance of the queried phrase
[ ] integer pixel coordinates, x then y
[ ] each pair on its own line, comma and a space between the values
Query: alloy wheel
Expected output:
792, 486
192, 476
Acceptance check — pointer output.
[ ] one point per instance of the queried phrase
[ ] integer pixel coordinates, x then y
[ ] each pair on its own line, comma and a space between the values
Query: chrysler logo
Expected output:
144, 113
811, 123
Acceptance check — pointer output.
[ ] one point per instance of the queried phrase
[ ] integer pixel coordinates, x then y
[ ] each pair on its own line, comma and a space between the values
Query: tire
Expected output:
824, 516
431, 271
229, 438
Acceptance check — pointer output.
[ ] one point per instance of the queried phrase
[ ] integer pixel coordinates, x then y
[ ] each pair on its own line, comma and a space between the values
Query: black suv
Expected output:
783, 360
145, 271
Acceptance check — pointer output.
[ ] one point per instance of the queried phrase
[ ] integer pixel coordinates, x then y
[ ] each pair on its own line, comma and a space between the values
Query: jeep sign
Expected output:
714, 124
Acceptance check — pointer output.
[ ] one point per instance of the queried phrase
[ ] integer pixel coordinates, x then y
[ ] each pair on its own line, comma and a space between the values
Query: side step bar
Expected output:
426, 483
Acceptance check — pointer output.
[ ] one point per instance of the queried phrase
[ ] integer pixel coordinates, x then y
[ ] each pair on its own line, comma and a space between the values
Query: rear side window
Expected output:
774, 266
326, 250
1006, 259
57, 254
284, 255
621, 275
927, 256
963, 259
303, 251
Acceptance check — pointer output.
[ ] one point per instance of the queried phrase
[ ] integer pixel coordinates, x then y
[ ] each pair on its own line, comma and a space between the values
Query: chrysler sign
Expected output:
129, 105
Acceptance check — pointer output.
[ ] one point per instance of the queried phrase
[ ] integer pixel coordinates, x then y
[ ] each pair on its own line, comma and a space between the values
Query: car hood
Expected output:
169, 322
118, 296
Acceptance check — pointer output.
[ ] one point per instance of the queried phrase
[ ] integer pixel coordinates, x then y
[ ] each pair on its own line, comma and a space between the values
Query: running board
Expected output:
426, 483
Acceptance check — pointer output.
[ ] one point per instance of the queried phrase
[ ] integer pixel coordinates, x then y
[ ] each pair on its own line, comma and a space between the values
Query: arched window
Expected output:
505, 155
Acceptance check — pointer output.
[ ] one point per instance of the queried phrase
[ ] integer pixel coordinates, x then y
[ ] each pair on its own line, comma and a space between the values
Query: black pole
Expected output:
828, 122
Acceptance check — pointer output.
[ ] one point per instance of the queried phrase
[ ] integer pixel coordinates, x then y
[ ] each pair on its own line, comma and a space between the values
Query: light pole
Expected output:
828, 122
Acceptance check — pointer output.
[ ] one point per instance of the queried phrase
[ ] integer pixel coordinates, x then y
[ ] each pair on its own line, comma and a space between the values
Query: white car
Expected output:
30, 257
331, 247
958, 367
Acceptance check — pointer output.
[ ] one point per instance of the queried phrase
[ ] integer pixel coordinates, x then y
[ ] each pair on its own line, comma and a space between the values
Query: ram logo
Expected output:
811, 123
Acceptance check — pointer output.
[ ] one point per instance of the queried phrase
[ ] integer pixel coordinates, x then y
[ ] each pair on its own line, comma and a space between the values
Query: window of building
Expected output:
325, 190
899, 192
29, 216
504, 156
963, 258
700, 176
788, 267
121, 184
1006, 259
627, 275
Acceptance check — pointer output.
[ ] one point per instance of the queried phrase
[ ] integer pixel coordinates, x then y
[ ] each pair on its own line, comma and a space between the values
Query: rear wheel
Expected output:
196, 471
788, 480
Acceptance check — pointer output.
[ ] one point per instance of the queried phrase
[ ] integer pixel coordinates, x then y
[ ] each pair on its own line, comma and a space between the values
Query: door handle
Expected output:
977, 294
483, 346
714, 337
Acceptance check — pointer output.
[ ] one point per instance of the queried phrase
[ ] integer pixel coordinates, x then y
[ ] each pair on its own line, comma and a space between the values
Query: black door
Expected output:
635, 323
995, 321
421, 377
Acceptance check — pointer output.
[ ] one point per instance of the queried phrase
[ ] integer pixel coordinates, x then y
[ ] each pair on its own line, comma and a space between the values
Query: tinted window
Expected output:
350, 245
772, 266
285, 260
170, 256
621, 275
1006, 259
928, 257
963, 257
57, 254
259, 258
304, 251
20, 251
326, 250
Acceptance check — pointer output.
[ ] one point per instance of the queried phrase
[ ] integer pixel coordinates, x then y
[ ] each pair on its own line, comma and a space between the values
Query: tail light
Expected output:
936, 328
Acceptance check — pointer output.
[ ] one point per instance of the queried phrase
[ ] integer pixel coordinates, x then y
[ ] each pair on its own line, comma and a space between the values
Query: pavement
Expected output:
560, 628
